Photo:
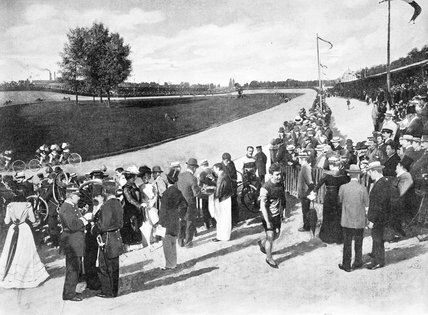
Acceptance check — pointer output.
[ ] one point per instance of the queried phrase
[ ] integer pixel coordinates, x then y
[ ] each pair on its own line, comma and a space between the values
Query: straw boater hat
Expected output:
303, 155
132, 170
336, 139
353, 169
290, 147
204, 162
408, 137
416, 139
375, 166
175, 164
333, 159
72, 189
389, 113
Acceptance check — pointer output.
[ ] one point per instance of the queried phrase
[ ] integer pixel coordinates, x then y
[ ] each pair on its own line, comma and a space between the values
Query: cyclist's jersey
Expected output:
249, 164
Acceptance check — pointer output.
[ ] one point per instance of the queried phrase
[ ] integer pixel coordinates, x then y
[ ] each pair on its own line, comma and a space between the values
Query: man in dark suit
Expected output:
261, 160
392, 159
107, 227
72, 241
188, 185
304, 185
378, 213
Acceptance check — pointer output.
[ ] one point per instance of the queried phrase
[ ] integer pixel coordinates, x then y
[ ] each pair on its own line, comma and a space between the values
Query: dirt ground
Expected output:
232, 277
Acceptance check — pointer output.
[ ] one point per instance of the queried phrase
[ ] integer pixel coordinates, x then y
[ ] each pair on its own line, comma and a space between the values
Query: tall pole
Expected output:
388, 58
319, 74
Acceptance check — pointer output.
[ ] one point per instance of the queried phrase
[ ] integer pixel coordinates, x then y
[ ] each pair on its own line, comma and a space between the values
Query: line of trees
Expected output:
94, 60
415, 55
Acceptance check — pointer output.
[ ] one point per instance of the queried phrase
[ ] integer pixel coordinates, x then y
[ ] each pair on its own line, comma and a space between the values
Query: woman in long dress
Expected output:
331, 230
223, 203
20, 265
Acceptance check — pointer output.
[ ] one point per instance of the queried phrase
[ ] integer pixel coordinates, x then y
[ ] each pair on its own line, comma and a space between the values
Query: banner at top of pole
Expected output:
326, 41
417, 8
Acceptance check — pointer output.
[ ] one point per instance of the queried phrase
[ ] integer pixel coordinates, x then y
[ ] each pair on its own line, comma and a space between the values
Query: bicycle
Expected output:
16, 166
73, 159
40, 208
249, 192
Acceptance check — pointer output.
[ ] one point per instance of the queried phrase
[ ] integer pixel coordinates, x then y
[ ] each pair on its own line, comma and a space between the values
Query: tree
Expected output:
102, 61
73, 60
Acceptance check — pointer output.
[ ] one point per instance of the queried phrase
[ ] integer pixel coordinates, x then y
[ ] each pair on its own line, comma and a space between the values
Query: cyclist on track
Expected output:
65, 153
55, 154
6, 158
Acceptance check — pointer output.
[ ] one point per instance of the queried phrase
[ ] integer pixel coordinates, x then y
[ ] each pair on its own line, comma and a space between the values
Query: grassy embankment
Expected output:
93, 129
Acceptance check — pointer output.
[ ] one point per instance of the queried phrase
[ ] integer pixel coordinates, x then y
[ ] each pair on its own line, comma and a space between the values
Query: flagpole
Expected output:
319, 74
388, 58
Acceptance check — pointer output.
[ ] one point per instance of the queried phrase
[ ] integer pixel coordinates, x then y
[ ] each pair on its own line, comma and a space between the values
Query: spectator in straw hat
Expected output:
173, 210
188, 185
160, 183
378, 213
388, 123
355, 200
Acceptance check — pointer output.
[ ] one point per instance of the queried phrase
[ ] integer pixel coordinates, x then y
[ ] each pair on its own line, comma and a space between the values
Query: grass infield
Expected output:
93, 129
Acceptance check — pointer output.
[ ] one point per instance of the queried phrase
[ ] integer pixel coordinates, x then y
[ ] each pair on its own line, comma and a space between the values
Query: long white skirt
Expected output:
26, 271
222, 213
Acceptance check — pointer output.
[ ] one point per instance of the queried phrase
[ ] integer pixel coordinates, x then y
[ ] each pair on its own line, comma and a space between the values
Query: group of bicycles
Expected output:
40, 160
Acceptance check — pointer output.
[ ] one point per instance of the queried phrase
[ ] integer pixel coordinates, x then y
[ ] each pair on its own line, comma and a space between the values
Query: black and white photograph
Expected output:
213, 157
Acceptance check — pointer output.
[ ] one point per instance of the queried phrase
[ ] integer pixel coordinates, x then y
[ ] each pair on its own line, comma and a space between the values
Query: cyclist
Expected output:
65, 153
6, 158
42, 153
55, 154
249, 165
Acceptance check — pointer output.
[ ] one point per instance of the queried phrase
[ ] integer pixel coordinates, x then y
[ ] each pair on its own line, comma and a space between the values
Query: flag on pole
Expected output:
417, 8
326, 41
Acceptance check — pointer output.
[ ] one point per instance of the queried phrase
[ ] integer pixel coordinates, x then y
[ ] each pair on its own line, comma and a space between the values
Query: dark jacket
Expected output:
173, 207
73, 235
109, 223
231, 170
188, 185
223, 187
390, 165
380, 202
261, 160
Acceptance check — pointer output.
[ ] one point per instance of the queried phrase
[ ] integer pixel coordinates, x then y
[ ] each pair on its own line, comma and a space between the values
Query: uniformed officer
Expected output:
72, 241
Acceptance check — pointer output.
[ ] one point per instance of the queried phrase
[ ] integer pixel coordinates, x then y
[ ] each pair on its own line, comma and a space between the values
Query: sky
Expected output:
211, 41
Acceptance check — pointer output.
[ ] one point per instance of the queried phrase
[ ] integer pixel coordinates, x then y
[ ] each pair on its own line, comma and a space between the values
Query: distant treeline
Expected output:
289, 83
413, 56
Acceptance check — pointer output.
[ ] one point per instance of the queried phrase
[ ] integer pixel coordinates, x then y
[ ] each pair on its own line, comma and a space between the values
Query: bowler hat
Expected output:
192, 162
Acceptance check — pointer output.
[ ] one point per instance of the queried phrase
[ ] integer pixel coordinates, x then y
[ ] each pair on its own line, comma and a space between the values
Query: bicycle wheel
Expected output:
249, 198
40, 209
74, 158
2, 165
19, 166
34, 165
